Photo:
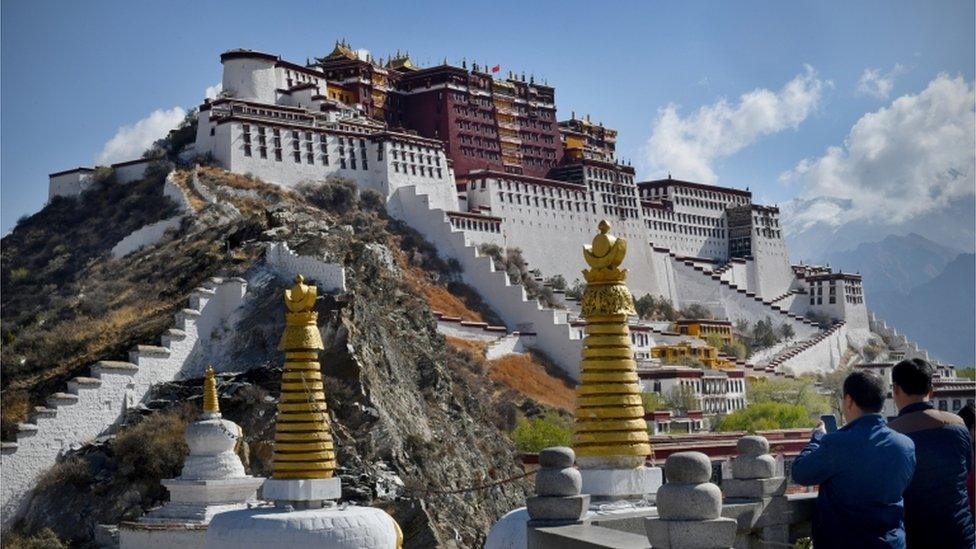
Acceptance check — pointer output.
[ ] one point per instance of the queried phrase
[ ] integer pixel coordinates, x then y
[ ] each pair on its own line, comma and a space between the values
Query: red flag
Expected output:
496, 68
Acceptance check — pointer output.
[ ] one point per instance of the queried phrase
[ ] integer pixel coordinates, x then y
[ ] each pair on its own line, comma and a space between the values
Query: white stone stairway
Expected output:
553, 334
94, 404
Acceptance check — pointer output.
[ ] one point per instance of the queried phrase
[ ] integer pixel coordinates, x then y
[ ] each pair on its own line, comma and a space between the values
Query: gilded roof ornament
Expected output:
606, 293
211, 405
610, 431
301, 321
303, 436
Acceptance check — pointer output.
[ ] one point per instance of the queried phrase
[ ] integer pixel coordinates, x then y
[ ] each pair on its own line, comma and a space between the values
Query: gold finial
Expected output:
303, 437
301, 321
610, 431
210, 403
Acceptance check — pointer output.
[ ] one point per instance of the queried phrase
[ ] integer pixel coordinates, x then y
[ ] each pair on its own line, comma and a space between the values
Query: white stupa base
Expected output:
216, 492
614, 484
140, 535
337, 528
302, 490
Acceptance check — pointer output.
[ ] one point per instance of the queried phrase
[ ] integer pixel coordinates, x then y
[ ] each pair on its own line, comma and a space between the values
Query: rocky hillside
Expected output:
416, 418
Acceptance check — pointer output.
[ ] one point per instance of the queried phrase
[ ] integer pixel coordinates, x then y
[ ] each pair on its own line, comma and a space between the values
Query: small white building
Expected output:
715, 391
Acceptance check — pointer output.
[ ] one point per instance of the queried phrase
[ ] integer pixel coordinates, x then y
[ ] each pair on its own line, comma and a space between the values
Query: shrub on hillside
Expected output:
154, 448
44, 539
511, 261
335, 195
765, 416
695, 311
649, 307
653, 402
534, 434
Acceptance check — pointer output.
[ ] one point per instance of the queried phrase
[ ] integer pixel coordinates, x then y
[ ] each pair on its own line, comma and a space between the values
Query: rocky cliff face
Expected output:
415, 419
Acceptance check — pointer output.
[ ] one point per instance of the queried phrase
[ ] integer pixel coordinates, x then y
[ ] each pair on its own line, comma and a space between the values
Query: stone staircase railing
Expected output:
795, 356
896, 340
730, 291
554, 336
95, 403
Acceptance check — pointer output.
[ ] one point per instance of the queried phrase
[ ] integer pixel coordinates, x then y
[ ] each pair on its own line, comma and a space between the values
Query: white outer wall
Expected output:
328, 277
68, 184
174, 538
227, 146
551, 240
252, 79
554, 337
147, 235
130, 172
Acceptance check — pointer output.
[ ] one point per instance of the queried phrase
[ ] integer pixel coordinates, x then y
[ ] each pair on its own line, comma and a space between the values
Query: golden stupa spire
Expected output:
303, 437
210, 403
610, 430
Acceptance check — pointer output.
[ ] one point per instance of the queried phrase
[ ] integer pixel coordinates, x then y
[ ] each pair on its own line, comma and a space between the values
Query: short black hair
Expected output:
913, 376
867, 390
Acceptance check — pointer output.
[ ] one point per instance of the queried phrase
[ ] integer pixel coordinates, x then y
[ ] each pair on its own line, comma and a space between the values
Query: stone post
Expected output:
754, 471
757, 494
689, 507
557, 487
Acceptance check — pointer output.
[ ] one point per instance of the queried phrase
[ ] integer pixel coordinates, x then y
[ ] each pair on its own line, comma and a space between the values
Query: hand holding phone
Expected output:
829, 422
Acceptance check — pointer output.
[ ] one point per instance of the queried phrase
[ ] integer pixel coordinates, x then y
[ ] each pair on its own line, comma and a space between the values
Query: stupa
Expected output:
212, 481
610, 434
305, 493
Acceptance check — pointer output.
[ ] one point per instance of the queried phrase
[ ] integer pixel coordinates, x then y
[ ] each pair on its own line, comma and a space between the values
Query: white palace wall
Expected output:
424, 167
554, 337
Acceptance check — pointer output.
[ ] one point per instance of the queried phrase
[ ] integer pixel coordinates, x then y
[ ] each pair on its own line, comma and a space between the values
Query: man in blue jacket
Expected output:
937, 512
862, 470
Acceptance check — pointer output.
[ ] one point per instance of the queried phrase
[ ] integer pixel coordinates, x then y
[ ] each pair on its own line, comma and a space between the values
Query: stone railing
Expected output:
750, 510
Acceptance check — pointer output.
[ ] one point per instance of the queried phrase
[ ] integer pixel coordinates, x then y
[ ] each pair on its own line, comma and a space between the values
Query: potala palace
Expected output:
470, 158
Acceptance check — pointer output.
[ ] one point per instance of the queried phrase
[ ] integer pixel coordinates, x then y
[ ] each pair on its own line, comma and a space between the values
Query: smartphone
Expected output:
830, 422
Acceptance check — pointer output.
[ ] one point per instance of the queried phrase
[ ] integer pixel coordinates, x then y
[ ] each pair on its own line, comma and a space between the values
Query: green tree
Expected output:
576, 290
833, 384
715, 341
764, 416
737, 349
653, 402
557, 282
800, 392
681, 399
696, 311
968, 373
786, 331
763, 335
646, 306
534, 434
690, 361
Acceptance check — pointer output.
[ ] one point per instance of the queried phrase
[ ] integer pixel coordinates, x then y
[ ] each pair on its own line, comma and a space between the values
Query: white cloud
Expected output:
911, 158
213, 91
129, 142
689, 146
876, 84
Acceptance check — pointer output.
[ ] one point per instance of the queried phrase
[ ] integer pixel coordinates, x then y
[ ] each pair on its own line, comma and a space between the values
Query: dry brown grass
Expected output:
529, 375
438, 296
476, 348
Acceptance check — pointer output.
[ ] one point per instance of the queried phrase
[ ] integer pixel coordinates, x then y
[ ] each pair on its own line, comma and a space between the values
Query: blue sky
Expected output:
73, 73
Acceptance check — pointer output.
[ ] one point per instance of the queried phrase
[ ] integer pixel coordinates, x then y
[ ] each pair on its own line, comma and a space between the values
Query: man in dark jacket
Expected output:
937, 510
862, 470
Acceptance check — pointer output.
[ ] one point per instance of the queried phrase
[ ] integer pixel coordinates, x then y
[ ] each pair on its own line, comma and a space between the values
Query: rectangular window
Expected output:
247, 150
278, 155
263, 151
298, 156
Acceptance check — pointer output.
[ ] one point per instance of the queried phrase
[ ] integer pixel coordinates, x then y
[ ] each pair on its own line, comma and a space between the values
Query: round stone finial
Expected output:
752, 445
688, 468
557, 457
